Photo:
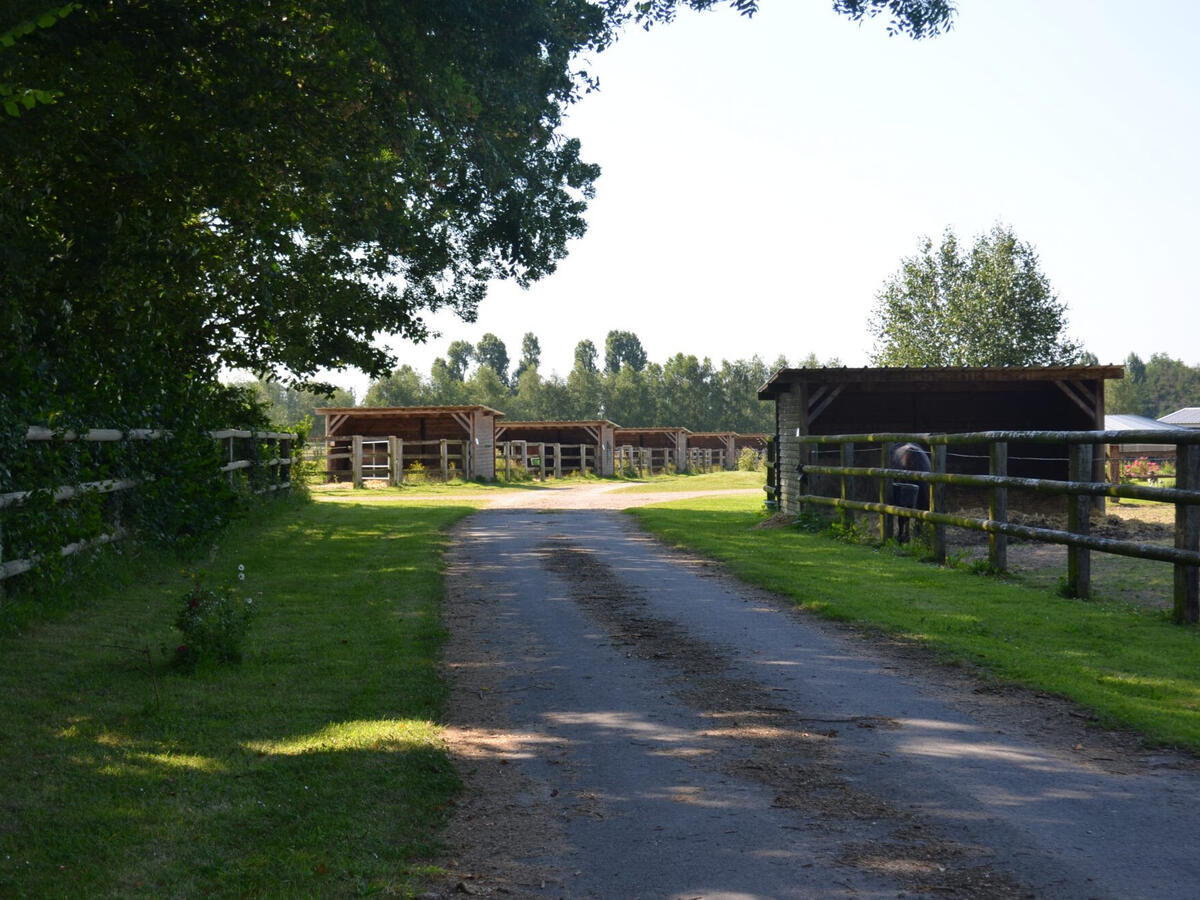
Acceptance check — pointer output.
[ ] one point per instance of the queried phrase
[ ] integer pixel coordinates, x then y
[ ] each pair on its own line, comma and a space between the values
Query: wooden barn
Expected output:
384, 442
558, 448
947, 400
654, 449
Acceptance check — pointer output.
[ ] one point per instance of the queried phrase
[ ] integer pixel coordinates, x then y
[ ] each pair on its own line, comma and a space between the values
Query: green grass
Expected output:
710, 481
1128, 664
314, 768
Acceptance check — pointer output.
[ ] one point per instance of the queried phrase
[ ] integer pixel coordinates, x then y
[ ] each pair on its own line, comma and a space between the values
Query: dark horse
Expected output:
911, 494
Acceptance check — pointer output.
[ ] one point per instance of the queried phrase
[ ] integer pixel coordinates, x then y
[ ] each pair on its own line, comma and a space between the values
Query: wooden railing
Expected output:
390, 458
236, 442
544, 458
1078, 489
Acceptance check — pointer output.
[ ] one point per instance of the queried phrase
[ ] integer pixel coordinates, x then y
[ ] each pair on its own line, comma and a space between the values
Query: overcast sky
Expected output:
763, 177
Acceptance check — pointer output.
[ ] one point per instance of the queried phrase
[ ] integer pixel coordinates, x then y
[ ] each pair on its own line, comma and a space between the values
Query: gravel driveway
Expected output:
630, 722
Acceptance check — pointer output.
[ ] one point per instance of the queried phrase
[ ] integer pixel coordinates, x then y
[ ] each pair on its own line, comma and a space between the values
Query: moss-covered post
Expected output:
998, 508
1079, 520
885, 494
1187, 533
937, 503
844, 515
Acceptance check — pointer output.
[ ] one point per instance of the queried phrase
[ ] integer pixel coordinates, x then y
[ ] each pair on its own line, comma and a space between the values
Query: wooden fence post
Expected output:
356, 460
444, 454
844, 515
583, 459
558, 460
937, 503
1079, 521
1187, 533
542, 460
998, 508
885, 494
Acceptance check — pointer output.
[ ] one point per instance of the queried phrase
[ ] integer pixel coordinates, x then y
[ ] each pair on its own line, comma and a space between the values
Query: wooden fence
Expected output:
240, 449
644, 460
1079, 489
357, 458
545, 458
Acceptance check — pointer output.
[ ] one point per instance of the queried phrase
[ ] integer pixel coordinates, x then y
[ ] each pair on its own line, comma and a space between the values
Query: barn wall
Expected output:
791, 415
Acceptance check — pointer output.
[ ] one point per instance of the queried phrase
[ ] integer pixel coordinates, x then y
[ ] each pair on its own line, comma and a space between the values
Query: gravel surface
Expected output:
630, 722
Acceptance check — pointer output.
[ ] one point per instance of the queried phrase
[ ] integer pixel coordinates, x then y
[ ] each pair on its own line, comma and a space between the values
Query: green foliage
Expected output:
749, 460
623, 348
989, 307
213, 623
1153, 388
16, 99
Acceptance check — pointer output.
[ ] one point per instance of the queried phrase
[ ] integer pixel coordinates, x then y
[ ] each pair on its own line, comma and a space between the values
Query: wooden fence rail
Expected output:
1185, 555
280, 464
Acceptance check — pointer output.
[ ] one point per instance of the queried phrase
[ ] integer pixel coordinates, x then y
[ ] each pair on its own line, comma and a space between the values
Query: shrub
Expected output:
748, 460
213, 622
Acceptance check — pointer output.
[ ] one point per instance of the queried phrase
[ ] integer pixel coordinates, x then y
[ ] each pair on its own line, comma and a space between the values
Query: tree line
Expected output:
621, 384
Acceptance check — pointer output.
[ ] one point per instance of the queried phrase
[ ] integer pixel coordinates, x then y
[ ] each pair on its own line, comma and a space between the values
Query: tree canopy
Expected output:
271, 187
991, 306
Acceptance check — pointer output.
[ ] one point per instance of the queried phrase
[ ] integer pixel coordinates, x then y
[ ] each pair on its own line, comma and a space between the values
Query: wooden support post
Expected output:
508, 460
356, 460
399, 461
444, 453
937, 503
393, 473
583, 459
1187, 533
885, 495
542, 460
998, 509
1079, 520
847, 460
558, 460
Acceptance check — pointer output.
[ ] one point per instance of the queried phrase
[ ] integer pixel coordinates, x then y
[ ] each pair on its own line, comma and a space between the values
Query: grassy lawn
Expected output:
314, 768
1125, 662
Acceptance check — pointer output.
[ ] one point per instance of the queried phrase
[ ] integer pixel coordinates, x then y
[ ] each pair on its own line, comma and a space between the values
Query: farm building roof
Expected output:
403, 410
550, 424
923, 375
1129, 422
1188, 417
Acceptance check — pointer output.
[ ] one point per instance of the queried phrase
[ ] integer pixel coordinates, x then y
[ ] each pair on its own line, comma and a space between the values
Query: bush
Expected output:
213, 622
748, 460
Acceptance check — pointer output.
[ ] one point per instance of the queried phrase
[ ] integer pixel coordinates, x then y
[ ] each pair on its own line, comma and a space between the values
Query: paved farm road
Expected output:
632, 723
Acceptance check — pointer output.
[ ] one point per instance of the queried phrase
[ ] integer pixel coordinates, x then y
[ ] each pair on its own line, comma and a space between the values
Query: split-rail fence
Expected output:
241, 449
1079, 490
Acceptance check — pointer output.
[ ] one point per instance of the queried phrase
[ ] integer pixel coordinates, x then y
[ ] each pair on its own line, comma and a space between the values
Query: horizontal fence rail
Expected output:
63, 493
1078, 491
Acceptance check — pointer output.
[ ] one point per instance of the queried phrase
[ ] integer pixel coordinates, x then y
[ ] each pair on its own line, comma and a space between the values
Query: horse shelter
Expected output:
952, 400
557, 448
654, 450
385, 442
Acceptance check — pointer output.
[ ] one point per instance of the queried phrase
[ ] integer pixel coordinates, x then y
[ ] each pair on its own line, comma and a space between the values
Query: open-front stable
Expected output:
386, 442
556, 448
652, 450
829, 401
712, 450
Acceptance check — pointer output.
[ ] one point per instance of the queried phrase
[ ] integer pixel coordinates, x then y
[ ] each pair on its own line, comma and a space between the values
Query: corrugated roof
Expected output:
1188, 417
921, 375
1130, 422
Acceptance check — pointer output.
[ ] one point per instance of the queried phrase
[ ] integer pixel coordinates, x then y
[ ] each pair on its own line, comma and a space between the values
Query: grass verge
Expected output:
313, 768
1129, 665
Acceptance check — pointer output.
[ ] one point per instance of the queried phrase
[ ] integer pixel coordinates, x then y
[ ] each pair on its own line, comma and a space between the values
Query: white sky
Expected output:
763, 177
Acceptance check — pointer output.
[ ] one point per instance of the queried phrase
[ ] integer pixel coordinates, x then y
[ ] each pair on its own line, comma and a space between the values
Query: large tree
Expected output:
270, 187
992, 306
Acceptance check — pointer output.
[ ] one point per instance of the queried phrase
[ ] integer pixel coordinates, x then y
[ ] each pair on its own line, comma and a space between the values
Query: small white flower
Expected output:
241, 576
241, 568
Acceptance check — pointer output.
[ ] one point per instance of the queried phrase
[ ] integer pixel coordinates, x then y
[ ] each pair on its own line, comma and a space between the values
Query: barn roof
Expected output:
1188, 417
916, 377
405, 411
549, 424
